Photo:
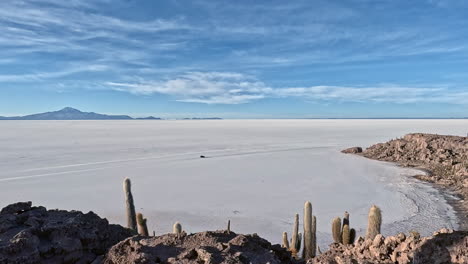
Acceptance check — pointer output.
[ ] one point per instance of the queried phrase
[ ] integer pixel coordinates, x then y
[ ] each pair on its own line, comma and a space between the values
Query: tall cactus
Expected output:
285, 240
130, 206
346, 236
314, 236
294, 237
142, 227
374, 222
177, 228
307, 253
336, 230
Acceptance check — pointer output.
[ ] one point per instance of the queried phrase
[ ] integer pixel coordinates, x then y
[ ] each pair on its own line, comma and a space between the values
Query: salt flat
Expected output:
258, 173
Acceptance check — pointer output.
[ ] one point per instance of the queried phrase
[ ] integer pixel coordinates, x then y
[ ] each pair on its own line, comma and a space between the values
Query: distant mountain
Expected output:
69, 113
148, 118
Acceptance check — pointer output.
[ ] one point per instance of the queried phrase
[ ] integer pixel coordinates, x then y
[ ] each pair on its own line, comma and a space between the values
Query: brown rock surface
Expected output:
36, 235
204, 247
446, 246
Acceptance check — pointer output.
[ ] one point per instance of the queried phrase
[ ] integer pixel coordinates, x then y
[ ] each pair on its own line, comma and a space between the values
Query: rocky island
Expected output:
444, 159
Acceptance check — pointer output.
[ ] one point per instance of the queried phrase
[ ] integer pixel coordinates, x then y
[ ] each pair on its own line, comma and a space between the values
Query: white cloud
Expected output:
235, 88
201, 87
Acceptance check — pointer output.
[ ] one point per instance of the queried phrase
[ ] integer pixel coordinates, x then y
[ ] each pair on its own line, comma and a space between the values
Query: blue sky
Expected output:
236, 59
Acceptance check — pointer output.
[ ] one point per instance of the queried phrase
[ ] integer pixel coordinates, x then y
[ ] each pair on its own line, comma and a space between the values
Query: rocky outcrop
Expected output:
36, 235
353, 150
445, 246
444, 157
204, 247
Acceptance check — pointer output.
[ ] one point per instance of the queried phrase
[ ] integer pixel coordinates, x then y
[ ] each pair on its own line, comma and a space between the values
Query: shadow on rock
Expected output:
444, 248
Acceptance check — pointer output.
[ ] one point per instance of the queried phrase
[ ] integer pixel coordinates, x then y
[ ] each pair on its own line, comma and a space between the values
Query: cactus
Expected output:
352, 235
346, 235
285, 240
142, 228
308, 237
345, 238
130, 207
177, 228
294, 238
314, 236
299, 239
336, 230
374, 222
346, 219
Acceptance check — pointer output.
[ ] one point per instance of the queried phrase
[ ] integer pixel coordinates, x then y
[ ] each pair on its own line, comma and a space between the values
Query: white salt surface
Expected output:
257, 173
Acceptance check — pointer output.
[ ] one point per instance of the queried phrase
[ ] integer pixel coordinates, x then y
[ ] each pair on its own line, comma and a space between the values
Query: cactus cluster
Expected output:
309, 236
135, 221
342, 232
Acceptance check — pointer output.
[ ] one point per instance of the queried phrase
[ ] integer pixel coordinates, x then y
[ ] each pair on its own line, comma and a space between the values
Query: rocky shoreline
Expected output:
30, 235
444, 159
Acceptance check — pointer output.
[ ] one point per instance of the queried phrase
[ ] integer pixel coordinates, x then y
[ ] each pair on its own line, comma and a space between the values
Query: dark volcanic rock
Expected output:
204, 247
37, 235
353, 150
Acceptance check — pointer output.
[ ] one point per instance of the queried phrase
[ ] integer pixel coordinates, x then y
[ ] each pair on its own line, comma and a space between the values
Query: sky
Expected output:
236, 59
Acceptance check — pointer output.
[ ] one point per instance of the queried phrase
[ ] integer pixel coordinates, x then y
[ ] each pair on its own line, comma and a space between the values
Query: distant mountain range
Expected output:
69, 113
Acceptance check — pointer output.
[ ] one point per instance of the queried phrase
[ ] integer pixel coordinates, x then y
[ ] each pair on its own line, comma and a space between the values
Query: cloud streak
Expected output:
236, 88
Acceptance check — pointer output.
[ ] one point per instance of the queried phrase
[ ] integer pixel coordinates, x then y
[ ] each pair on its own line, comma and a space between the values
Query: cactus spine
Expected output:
142, 228
285, 240
307, 253
130, 206
336, 230
374, 222
294, 239
177, 228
